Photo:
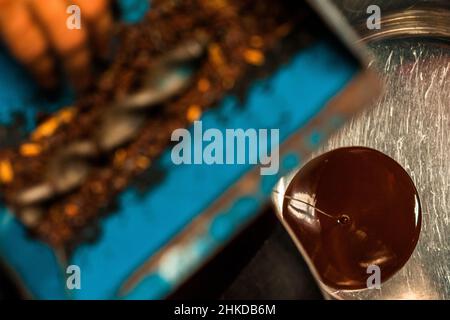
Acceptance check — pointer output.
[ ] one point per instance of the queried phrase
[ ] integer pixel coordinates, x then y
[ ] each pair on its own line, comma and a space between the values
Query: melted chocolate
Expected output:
351, 208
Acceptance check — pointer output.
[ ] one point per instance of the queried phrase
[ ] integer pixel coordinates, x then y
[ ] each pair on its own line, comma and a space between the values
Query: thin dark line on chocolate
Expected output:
308, 204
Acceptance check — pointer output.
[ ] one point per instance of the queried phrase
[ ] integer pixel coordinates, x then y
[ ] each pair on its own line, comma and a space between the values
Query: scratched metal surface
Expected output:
410, 123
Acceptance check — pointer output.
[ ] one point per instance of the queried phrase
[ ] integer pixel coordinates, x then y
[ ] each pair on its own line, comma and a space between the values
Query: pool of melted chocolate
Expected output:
351, 208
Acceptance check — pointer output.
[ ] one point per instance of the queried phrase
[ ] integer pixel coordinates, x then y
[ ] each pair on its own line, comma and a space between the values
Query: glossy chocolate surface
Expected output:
351, 208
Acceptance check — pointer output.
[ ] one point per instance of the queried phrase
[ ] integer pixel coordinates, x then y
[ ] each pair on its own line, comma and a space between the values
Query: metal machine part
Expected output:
70, 166
410, 123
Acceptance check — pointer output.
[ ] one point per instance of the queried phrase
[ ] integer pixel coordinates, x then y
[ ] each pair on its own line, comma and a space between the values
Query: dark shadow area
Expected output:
8, 291
260, 263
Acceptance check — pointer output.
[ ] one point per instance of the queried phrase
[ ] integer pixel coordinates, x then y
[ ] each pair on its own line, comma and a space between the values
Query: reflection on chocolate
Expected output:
351, 208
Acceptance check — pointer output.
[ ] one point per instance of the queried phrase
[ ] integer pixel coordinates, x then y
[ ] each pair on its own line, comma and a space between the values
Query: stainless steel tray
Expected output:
410, 123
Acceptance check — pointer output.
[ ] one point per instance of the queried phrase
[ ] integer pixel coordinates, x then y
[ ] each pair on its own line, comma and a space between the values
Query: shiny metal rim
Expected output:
430, 23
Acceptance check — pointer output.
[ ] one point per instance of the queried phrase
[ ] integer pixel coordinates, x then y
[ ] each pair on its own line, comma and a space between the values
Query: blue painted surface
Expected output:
287, 100
132, 11
19, 95
151, 287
